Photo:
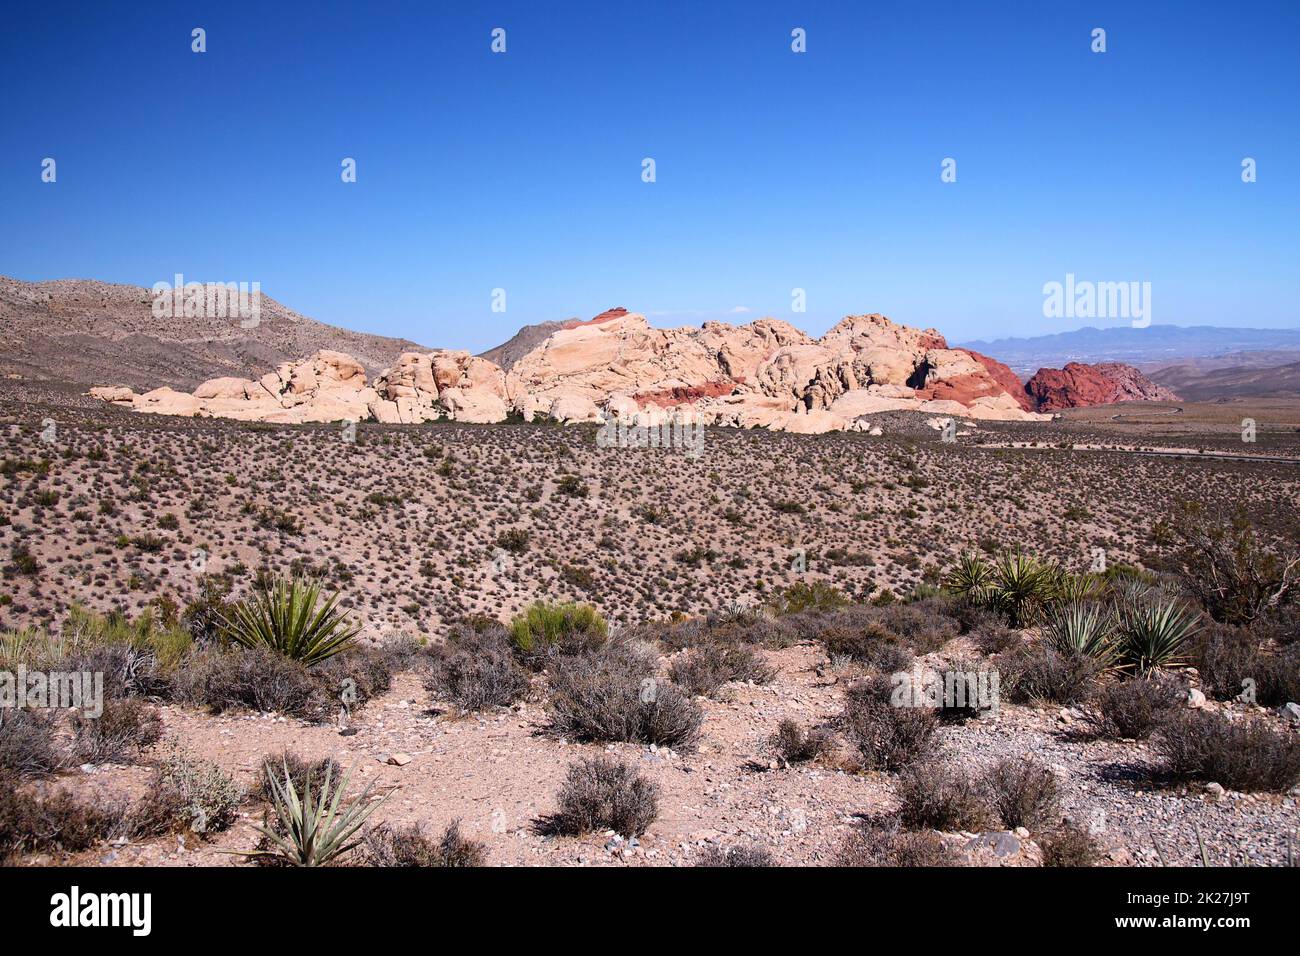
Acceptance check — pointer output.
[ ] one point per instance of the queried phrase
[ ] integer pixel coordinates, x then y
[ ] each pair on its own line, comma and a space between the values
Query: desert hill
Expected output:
87, 332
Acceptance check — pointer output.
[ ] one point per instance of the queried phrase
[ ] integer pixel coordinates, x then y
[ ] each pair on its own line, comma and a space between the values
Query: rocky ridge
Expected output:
765, 374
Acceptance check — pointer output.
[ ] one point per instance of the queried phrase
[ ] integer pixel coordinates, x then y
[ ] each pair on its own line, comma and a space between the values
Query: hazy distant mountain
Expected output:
1196, 383
85, 332
1156, 344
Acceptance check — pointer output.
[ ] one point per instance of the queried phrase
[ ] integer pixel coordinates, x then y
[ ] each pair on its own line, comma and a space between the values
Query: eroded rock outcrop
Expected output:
1079, 385
766, 374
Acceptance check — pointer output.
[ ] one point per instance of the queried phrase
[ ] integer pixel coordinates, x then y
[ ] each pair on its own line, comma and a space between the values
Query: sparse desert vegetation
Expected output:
507, 646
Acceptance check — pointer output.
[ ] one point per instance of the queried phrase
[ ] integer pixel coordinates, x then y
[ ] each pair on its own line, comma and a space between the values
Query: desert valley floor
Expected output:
424, 527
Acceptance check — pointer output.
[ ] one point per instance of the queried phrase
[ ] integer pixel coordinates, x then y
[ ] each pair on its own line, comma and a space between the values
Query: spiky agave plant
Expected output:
1154, 635
313, 832
1022, 584
289, 617
971, 578
1082, 629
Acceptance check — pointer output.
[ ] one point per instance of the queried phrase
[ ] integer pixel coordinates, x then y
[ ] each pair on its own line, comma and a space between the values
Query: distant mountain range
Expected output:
1151, 347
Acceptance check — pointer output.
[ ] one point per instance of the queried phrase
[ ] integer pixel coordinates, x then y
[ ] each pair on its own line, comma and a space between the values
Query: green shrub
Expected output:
804, 596
186, 794
1080, 629
566, 628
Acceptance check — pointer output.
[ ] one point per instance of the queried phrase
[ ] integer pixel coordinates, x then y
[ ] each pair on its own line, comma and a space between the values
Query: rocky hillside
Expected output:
96, 333
524, 341
1078, 385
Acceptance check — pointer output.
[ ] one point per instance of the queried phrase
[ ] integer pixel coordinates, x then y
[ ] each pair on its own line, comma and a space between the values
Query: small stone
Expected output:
399, 760
1214, 791
1195, 698
1021, 832
1291, 711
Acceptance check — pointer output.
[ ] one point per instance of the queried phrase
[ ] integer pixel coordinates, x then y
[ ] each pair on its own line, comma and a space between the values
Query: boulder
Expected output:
117, 394
235, 388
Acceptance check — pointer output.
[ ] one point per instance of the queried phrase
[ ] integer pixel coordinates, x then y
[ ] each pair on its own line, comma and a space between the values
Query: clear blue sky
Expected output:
775, 170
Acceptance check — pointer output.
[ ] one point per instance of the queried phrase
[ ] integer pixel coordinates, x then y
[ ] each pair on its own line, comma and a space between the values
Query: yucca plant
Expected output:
1155, 634
971, 578
1085, 629
313, 832
290, 618
1022, 584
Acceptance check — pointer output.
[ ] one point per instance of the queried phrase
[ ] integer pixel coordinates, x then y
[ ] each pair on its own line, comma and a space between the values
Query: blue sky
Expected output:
775, 170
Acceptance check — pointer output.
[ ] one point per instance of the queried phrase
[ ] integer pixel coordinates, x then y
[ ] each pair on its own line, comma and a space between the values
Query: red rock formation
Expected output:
684, 394
1003, 375
1079, 385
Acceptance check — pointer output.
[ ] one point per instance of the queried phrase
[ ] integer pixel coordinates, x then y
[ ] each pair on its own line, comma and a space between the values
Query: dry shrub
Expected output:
735, 856
886, 737
939, 796
611, 695
869, 643
1132, 709
1034, 674
223, 678
1024, 793
1246, 755
186, 794
27, 742
478, 671
59, 821
1069, 845
925, 625
601, 793
123, 730
702, 670
889, 845
795, 745
1226, 656
409, 847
